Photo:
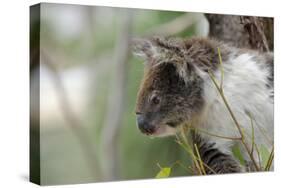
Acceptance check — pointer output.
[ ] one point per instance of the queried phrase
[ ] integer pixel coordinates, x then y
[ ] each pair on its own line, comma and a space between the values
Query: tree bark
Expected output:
242, 31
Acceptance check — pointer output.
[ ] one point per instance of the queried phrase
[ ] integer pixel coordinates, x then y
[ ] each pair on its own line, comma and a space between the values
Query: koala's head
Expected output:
171, 92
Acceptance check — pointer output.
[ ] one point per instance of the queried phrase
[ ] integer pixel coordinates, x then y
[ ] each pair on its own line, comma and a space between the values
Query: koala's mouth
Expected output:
166, 129
172, 124
151, 130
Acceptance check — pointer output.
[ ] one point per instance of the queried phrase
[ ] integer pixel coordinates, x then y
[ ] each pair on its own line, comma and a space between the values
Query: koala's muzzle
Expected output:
144, 126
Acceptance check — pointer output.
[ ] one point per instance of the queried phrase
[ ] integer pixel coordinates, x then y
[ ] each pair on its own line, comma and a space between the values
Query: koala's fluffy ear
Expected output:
143, 48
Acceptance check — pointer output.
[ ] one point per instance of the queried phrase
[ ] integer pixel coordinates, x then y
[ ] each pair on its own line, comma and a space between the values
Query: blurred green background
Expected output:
88, 86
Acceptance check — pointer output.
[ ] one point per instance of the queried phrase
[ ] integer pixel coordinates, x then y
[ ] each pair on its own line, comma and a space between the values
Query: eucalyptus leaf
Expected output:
238, 154
164, 173
264, 155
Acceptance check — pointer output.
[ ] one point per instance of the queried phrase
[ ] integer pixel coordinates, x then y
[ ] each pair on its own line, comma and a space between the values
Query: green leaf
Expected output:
164, 173
264, 155
238, 155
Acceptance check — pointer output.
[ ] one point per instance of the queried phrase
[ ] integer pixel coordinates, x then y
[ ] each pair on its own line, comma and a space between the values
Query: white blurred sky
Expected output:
76, 83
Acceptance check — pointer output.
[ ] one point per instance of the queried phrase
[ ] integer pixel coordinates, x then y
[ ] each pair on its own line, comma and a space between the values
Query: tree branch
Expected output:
175, 26
116, 101
72, 120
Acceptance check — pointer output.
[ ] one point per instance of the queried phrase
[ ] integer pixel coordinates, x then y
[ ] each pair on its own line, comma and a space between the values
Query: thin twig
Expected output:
253, 133
221, 68
261, 129
199, 158
215, 135
258, 154
175, 26
180, 164
188, 149
270, 160
116, 101
235, 121
241, 132
195, 159
72, 120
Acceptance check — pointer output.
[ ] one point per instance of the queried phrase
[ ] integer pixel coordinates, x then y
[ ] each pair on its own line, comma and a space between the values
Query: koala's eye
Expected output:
155, 99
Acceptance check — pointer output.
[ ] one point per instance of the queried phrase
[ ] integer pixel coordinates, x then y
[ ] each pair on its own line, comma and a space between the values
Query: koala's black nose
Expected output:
143, 125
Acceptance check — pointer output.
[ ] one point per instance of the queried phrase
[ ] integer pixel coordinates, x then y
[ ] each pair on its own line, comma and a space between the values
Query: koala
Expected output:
177, 90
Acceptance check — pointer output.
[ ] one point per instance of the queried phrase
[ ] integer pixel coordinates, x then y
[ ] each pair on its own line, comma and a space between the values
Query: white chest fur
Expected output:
244, 86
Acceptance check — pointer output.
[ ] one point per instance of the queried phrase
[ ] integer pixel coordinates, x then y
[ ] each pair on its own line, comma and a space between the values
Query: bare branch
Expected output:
175, 26
116, 101
72, 120
242, 31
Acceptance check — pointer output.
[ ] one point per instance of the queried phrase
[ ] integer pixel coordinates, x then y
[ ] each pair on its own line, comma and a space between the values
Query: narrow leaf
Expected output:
264, 155
164, 173
238, 154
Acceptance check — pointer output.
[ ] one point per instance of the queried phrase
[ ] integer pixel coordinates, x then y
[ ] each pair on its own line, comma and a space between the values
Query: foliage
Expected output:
164, 172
